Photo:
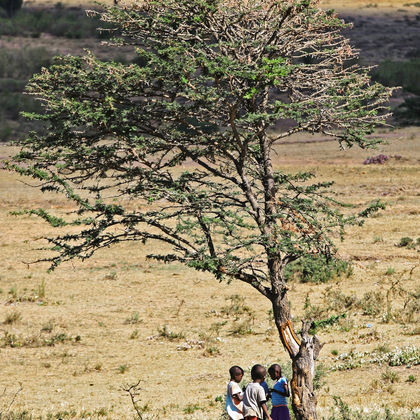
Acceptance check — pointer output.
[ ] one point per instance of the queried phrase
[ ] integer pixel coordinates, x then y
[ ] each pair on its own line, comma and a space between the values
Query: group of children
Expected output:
250, 403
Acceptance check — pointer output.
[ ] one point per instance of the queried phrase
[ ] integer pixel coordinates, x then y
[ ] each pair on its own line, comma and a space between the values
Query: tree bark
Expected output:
303, 354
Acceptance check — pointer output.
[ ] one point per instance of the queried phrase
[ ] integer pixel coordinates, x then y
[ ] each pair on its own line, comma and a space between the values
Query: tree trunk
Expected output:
303, 354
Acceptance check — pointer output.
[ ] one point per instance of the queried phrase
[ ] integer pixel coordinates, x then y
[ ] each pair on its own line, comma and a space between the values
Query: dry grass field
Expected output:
71, 339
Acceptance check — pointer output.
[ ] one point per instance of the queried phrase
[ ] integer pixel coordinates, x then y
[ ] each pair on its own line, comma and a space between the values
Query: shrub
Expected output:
12, 317
321, 372
390, 376
317, 269
133, 319
406, 242
372, 303
399, 73
164, 332
405, 74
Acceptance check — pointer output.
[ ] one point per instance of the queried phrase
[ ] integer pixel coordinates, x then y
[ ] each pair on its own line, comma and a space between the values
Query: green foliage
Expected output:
399, 73
404, 74
317, 269
407, 242
14, 341
323, 323
102, 124
165, 332
411, 379
18, 65
191, 408
390, 376
372, 303
321, 371
133, 319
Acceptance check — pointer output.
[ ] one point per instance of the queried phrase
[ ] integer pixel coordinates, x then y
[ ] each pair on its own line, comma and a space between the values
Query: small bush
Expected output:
48, 327
407, 242
191, 408
164, 332
242, 328
390, 271
12, 317
237, 307
134, 335
317, 269
122, 368
321, 372
411, 379
390, 376
133, 319
372, 303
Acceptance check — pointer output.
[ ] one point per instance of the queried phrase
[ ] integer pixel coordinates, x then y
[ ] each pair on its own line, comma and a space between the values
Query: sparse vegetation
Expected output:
123, 368
407, 356
134, 318
36, 340
12, 317
165, 332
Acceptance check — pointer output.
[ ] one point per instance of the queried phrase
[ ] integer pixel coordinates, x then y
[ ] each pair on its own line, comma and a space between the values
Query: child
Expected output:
280, 391
234, 394
254, 397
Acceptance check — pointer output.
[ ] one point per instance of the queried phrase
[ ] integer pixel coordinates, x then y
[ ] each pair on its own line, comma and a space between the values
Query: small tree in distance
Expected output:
219, 84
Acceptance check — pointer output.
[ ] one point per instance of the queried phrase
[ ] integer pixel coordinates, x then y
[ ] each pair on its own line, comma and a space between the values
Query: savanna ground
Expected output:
70, 340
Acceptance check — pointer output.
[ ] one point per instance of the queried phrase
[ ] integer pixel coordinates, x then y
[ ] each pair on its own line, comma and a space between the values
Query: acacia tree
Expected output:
216, 84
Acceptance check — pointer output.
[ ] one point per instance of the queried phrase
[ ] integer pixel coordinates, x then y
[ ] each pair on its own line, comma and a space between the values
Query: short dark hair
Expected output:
257, 372
233, 370
271, 368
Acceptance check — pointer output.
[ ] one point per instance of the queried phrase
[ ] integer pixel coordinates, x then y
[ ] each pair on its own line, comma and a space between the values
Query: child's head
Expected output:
236, 373
258, 373
274, 371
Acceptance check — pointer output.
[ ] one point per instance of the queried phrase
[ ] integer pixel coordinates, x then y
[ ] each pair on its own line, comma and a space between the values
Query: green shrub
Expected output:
372, 303
407, 242
399, 73
317, 269
404, 74
165, 332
